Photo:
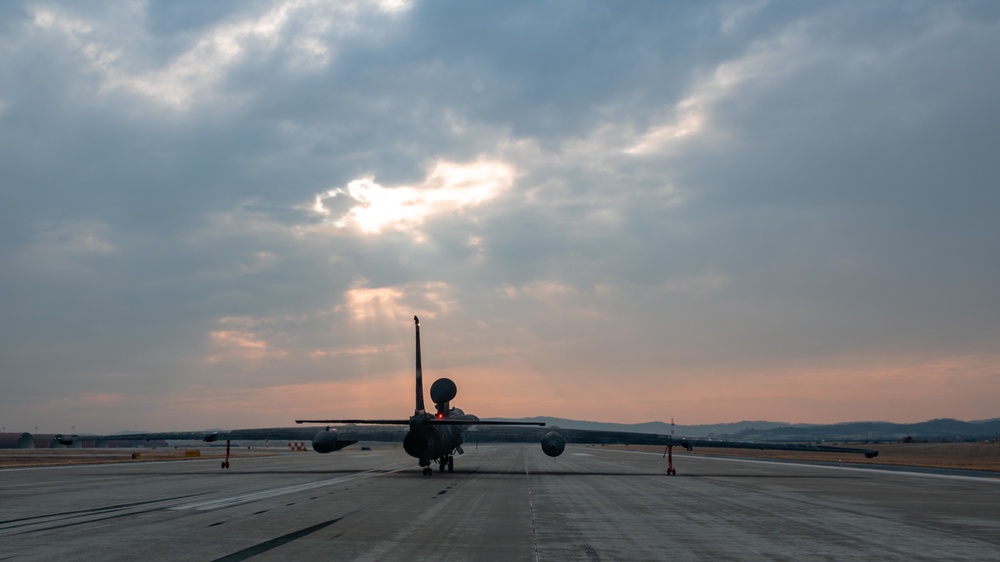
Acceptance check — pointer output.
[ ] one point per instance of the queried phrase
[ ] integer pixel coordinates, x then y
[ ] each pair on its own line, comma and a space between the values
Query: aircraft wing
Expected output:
494, 434
371, 433
304, 433
260, 434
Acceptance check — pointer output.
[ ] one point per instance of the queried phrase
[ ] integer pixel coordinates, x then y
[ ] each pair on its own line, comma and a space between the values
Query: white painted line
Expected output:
895, 470
275, 492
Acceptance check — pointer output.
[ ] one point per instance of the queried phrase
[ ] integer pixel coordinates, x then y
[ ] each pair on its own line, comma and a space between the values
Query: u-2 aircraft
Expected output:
436, 437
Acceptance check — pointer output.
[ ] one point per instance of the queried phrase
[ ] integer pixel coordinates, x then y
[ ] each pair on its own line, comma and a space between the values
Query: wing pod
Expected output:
326, 441
553, 444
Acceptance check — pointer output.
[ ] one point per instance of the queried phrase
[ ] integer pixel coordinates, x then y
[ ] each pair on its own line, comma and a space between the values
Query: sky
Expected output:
226, 214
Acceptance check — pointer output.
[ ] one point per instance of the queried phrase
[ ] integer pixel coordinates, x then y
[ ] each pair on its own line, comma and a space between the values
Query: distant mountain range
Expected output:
933, 430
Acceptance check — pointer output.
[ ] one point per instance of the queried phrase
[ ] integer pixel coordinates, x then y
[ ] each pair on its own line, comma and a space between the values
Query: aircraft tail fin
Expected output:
419, 409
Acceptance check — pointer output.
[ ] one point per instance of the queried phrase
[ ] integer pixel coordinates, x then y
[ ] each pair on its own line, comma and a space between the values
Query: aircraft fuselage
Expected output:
429, 441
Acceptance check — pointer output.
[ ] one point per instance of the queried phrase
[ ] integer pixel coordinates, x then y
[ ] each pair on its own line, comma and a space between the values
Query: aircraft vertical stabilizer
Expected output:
419, 409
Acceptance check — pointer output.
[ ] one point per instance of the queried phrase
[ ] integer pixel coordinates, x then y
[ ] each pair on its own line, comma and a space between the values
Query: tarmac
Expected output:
501, 503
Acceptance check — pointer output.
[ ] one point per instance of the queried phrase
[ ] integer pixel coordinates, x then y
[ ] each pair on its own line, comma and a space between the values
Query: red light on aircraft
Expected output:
440, 416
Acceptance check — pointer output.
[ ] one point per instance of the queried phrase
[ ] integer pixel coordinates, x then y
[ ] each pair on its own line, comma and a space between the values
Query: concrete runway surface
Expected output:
501, 503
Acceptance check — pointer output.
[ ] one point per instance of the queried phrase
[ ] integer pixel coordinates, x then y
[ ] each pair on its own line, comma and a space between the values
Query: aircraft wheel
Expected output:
451, 464
672, 472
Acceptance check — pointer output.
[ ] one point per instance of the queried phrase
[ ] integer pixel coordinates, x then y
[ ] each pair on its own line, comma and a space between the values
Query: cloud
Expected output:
397, 304
538, 290
74, 239
214, 197
240, 345
304, 34
448, 188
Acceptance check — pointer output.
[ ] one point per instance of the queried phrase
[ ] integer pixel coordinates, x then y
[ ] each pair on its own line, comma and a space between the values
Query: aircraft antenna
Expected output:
420, 376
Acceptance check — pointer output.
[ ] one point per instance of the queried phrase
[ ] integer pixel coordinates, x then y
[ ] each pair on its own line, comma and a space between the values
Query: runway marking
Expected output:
531, 508
890, 469
275, 492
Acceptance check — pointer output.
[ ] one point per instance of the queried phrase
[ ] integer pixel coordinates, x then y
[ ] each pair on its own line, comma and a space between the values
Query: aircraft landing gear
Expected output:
225, 463
446, 462
671, 471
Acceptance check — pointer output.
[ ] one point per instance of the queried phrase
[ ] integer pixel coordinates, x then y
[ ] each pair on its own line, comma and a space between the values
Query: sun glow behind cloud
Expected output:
448, 187
398, 304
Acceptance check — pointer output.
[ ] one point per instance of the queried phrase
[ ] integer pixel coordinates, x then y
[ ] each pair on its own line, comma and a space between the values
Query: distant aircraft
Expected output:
436, 437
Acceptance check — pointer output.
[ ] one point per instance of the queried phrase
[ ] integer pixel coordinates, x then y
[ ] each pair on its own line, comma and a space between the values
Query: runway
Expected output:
501, 503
